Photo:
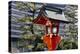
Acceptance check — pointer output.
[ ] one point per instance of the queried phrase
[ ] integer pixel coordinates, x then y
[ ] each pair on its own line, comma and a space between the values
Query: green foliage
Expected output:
70, 12
28, 37
25, 6
33, 41
67, 44
25, 19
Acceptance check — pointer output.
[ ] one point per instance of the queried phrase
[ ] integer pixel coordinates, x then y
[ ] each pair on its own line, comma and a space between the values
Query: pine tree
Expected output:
71, 29
28, 35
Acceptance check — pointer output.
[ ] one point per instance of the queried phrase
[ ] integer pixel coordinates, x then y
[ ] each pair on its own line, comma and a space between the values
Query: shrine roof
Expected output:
56, 15
52, 12
55, 12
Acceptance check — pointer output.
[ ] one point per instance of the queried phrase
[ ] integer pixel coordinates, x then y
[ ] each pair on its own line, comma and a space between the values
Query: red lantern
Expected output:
51, 37
51, 22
